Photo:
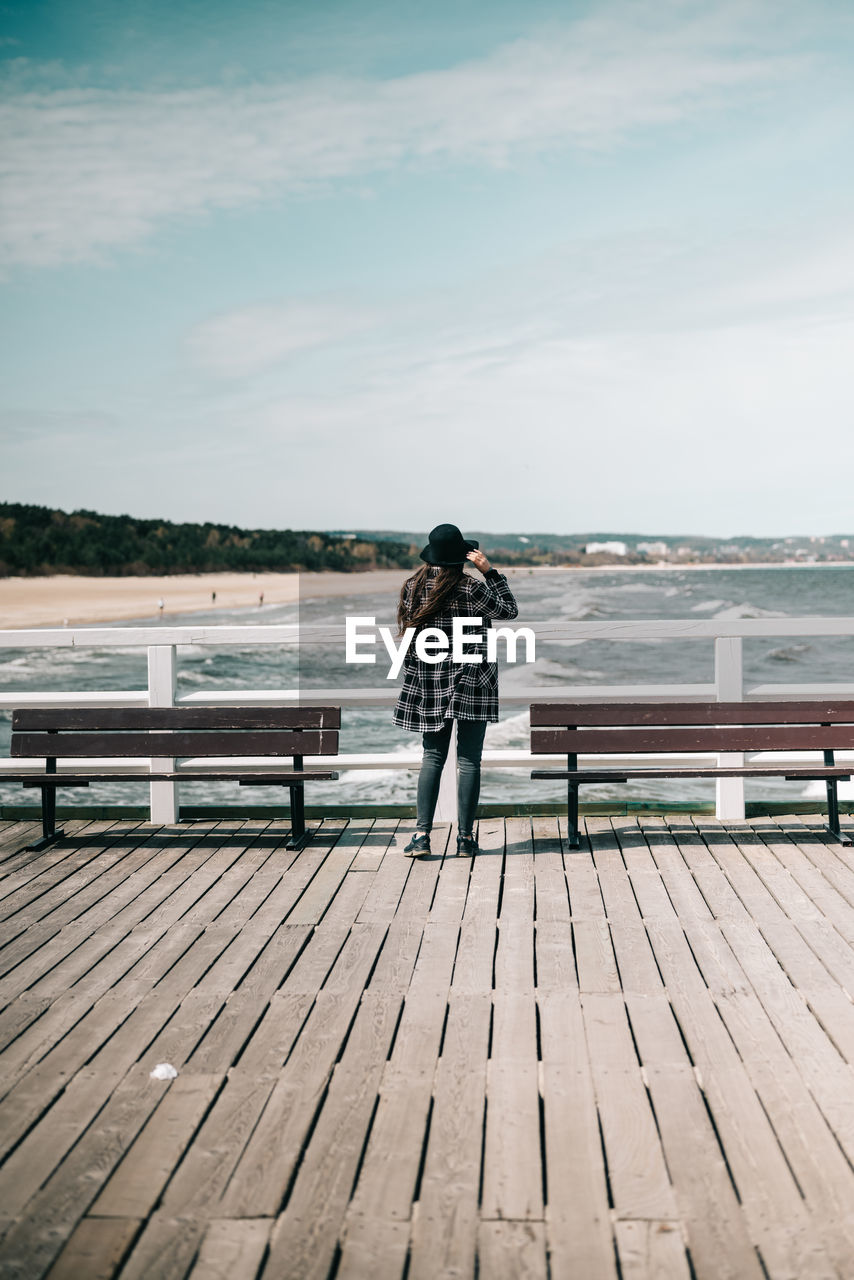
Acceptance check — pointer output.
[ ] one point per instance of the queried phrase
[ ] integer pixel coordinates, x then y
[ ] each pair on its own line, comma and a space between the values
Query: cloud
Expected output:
84, 170
253, 339
705, 430
677, 387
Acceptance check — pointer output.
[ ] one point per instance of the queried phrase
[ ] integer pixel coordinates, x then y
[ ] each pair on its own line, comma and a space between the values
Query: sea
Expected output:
557, 595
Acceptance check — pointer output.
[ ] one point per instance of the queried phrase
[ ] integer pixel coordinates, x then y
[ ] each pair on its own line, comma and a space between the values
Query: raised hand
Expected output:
479, 560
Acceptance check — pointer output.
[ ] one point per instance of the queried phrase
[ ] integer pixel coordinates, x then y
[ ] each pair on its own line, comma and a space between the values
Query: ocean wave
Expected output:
584, 609
706, 606
197, 677
510, 733
817, 791
551, 670
790, 653
747, 610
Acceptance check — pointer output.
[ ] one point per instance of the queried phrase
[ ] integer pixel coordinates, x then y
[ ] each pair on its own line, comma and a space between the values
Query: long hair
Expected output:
425, 598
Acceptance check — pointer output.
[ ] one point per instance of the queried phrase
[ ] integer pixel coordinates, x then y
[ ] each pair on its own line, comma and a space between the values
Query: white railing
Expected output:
162, 643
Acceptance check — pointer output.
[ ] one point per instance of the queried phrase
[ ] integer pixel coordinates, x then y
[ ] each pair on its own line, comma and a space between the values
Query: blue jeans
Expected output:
469, 750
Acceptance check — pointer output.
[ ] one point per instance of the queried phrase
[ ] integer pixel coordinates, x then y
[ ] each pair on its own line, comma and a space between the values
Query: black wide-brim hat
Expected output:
447, 546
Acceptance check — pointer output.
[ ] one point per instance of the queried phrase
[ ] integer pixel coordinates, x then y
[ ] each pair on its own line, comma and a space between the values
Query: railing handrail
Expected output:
162, 642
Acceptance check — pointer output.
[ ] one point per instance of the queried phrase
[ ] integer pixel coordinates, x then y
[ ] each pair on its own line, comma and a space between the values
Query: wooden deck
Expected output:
630, 1061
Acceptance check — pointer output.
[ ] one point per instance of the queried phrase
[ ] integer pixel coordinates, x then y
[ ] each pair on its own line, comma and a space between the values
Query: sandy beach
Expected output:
53, 601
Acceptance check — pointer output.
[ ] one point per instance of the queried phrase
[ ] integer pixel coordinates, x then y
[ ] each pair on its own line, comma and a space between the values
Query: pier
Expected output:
629, 1061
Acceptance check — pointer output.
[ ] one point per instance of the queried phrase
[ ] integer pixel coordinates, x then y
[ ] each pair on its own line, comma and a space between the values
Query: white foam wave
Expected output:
512, 732
546, 668
746, 610
790, 653
706, 606
817, 790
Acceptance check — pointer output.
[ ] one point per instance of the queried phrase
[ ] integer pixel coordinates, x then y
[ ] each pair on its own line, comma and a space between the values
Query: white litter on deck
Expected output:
164, 1071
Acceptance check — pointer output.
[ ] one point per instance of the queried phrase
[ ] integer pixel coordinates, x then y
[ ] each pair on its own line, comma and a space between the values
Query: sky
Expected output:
359, 264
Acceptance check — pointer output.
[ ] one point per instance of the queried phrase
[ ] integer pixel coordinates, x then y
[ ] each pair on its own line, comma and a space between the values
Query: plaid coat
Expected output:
435, 692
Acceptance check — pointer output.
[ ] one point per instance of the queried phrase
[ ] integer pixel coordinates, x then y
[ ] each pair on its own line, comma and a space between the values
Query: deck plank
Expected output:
89, 859
388, 883
637, 1170
445, 1224
383, 1195
14, 834
773, 1209
635, 1058
232, 1249
264, 1169
649, 1248
512, 1250
578, 1213
95, 1249
19, 864
718, 1239
513, 1172
822, 1172
135, 1187
156, 896
307, 1231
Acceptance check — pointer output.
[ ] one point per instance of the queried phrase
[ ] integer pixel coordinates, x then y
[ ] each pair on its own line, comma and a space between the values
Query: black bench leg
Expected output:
49, 832
833, 814
299, 836
573, 838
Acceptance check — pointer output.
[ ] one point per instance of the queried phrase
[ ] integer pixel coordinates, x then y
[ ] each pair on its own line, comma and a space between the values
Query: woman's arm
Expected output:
491, 598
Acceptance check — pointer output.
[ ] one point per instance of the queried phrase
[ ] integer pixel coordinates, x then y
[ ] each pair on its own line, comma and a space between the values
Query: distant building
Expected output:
606, 548
652, 548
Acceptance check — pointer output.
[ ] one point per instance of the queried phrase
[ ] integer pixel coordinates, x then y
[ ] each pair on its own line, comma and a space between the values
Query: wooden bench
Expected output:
625, 728
168, 733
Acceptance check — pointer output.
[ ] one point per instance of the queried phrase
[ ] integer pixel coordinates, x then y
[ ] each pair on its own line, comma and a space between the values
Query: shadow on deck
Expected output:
630, 1061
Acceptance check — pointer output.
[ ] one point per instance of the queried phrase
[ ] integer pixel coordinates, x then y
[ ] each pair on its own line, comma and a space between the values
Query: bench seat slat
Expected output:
817, 773
248, 779
40, 719
689, 713
736, 738
264, 742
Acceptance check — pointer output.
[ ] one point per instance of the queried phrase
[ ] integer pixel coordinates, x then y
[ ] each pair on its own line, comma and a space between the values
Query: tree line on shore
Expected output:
36, 541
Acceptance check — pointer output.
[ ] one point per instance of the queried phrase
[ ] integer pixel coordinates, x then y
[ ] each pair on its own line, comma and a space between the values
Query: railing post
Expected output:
161, 693
729, 687
446, 805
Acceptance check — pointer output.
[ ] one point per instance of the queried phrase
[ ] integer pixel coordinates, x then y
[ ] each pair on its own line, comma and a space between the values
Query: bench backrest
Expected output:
622, 728
175, 731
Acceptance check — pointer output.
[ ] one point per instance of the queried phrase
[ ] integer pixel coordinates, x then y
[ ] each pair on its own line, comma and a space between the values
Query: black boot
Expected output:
420, 843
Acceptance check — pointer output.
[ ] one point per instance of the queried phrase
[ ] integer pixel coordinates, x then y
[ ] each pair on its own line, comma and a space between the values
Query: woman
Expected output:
434, 695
